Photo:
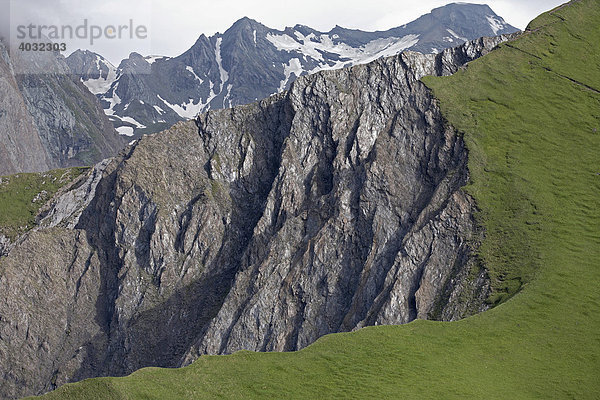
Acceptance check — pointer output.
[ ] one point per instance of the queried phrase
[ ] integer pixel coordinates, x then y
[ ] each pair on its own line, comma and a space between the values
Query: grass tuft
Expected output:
22, 196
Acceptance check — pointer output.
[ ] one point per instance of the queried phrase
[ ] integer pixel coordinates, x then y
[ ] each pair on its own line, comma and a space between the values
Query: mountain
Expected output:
49, 119
21, 147
329, 207
251, 61
528, 115
97, 73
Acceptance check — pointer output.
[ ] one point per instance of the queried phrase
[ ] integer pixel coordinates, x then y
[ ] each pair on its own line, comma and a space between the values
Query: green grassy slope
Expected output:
534, 137
532, 128
22, 195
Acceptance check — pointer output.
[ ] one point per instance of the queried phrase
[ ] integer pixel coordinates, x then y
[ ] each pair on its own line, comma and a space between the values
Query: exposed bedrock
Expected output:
330, 207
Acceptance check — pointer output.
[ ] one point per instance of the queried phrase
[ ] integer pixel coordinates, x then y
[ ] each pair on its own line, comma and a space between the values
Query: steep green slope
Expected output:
530, 114
531, 119
22, 195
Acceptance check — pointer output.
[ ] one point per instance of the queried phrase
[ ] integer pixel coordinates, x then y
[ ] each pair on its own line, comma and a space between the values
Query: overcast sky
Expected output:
174, 25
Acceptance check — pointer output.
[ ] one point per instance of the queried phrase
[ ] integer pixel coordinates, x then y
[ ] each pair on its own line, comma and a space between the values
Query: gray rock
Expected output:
48, 119
21, 149
330, 207
66, 209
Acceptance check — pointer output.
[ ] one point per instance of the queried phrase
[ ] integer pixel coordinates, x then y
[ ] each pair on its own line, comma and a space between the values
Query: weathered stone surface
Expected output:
20, 146
326, 208
48, 118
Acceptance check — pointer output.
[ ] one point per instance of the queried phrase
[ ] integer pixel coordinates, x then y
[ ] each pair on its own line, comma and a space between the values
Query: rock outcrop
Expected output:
48, 119
326, 208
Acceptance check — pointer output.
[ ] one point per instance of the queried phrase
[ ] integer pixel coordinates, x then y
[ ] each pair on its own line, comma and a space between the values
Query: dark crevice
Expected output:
184, 222
416, 285
573, 80
282, 109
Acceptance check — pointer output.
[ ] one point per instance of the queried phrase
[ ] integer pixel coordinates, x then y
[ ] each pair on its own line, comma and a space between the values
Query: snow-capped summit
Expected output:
250, 61
96, 72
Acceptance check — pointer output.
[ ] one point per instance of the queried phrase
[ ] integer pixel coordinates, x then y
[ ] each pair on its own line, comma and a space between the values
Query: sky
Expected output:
172, 26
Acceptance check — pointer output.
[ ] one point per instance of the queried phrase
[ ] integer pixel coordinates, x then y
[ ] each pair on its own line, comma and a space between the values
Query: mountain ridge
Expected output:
532, 134
250, 61
250, 189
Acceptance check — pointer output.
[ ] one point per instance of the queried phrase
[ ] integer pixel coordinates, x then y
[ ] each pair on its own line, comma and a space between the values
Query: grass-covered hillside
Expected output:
22, 196
530, 113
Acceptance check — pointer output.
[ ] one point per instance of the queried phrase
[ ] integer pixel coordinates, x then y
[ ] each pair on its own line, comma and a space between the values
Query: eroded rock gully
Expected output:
330, 207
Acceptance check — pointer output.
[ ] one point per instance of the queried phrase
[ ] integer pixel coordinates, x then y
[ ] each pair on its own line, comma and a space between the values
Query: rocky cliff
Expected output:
48, 119
21, 148
326, 208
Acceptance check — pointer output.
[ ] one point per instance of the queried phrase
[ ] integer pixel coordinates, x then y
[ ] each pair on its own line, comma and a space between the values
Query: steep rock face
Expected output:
21, 148
326, 208
365, 219
50, 119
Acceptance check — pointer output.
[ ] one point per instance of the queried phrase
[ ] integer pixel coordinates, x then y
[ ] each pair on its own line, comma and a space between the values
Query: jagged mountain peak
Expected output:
302, 29
135, 64
85, 53
85, 57
246, 22
250, 61
338, 28
134, 57
243, 32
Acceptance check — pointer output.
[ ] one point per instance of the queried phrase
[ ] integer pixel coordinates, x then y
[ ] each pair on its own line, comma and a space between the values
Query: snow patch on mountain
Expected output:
153, 59
186, 110
287, 43
226, 99
125, 130
131, 121
211, 95
292, 67
385, 47
497, 24
190, 69
450, 31
102, 84
112, 100
315, 46
224, 74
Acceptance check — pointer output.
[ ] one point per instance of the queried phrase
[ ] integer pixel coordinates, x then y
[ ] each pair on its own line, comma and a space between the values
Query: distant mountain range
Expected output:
251, 61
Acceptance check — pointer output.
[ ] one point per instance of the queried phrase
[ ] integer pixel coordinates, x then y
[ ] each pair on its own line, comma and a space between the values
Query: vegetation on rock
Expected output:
22, 196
